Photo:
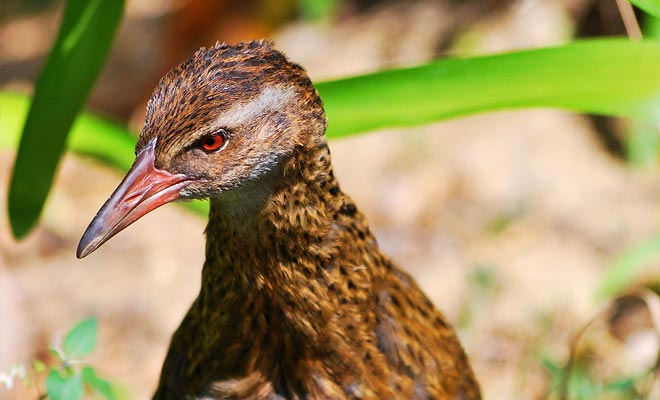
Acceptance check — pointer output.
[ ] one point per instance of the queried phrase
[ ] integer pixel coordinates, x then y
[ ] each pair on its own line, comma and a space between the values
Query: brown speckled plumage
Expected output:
297, 300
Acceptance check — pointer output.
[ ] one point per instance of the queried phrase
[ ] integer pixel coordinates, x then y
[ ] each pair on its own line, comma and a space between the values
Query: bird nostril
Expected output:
132, 197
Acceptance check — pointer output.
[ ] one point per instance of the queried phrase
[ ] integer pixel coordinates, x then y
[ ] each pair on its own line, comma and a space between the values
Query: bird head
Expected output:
219, 121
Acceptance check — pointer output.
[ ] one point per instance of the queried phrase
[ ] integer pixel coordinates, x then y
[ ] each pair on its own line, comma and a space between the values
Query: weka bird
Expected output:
297, 300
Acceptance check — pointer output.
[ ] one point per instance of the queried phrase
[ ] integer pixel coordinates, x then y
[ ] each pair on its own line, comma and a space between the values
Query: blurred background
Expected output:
510, 221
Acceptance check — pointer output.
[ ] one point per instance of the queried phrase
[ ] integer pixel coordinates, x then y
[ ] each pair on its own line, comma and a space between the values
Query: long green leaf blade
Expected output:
92, 136
628, 266
611, 76
651, 7
73, 65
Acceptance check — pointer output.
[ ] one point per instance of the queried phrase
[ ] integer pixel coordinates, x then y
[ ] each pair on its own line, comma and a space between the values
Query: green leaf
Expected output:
628, 266
73, 65
102, 386
316, 9
651, 28
642, 139
100, 138
606, 76
64, 387
626, 385
642, 143
96, 137
56, 353
81, 340
38, 366
651, 7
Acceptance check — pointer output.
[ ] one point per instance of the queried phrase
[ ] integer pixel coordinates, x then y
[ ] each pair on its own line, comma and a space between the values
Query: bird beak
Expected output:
143, 189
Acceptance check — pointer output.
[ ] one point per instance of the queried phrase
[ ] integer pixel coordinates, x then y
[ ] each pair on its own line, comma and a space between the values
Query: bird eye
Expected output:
213, 141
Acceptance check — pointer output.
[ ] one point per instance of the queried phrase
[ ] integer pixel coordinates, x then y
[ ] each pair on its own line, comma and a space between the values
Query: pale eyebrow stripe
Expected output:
269, 99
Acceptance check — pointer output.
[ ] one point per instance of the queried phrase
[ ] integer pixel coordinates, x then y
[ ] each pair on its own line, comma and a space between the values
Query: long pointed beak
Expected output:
143, 189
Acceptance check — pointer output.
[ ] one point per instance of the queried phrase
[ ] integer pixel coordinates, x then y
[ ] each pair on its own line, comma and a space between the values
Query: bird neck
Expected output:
266, 249
291, 293
236, 213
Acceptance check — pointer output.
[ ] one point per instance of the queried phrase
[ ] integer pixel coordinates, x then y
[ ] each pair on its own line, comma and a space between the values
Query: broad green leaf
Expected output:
101, 386
73, 65
607, 76
81, 340
64, 387
651, 7
628, 266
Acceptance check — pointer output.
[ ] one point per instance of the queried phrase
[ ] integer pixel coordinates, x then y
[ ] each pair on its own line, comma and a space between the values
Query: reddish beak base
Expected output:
143, 189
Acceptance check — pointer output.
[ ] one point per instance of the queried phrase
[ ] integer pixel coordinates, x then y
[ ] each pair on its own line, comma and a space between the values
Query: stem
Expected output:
629, 19
33, 376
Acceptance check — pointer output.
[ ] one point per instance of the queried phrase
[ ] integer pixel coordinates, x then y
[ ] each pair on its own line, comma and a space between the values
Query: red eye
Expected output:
212, 142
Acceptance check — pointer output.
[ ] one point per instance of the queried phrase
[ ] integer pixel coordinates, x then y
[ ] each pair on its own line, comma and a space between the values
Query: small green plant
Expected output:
70, 376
